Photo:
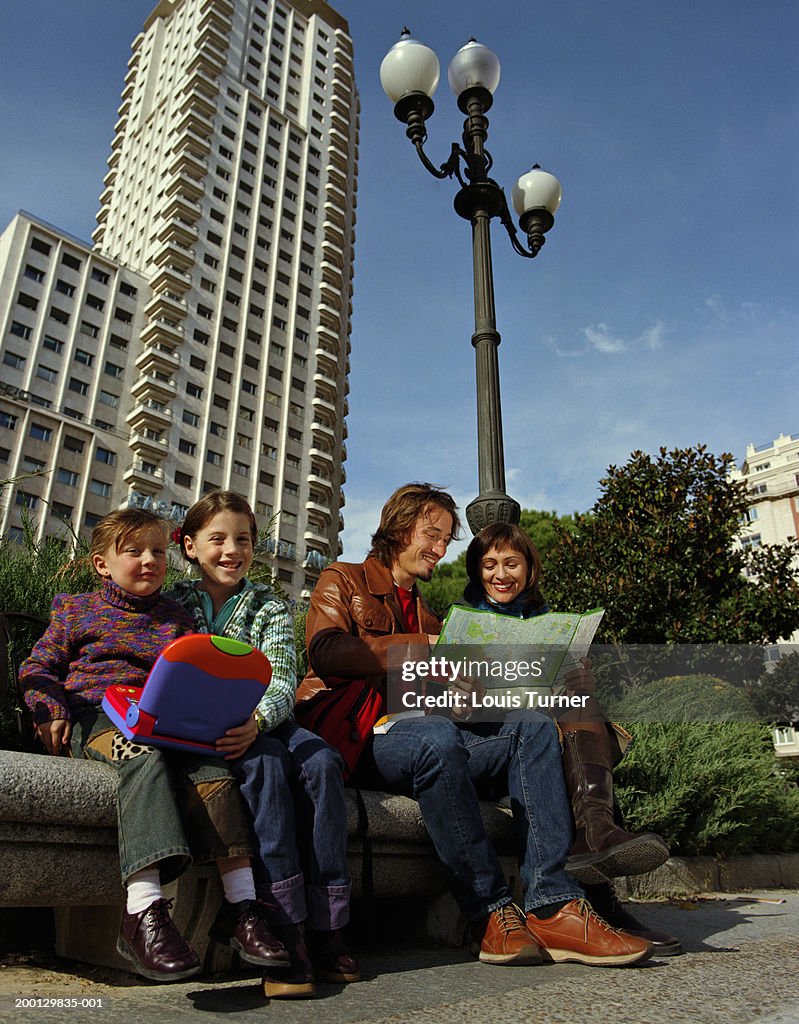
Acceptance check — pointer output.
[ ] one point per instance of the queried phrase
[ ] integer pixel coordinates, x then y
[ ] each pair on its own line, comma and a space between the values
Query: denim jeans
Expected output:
170, 806
447, 767
292, 782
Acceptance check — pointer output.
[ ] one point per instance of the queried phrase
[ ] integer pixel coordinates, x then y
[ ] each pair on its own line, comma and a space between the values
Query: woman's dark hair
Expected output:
399, 516
504, 537
204, 510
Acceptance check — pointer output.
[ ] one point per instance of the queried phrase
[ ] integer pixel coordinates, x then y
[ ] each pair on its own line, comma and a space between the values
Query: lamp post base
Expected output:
492, 507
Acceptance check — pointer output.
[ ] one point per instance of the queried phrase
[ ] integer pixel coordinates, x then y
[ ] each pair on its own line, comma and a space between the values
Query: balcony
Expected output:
316, 534
144, 442
330, 295
195, 120
160, 328
179, 231
225, 7
176, 254
325, 434
184, 184
194, 99
214, 18
149, 415
323, 454
186, 162
211, 38
337, 157
154, 385
334, 215
144, 476
166, 306
326, 386
320, 481
157, 357
183, 208
171, 277
203, 78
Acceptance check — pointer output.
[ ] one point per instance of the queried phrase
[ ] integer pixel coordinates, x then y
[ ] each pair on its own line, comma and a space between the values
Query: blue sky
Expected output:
663, 309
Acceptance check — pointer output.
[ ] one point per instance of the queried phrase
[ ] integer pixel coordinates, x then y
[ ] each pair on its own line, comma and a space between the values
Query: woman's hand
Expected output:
237, 740
55, 735
580, 680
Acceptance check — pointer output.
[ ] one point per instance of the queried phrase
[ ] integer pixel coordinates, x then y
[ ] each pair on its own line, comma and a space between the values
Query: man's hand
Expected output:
580, 680
237, 740
55, 735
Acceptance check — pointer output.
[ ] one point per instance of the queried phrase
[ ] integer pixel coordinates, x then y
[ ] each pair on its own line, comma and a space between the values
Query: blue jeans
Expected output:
292, 782
445, 767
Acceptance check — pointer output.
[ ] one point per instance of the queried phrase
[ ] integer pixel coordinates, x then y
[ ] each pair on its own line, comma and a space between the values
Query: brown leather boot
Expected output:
602, 849
297, 980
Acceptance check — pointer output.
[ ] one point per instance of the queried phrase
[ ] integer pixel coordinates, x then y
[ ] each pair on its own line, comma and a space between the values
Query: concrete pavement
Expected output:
741, 966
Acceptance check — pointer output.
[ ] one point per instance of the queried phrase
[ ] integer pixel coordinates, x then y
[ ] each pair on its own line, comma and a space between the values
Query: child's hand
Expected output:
55, 735
235, 741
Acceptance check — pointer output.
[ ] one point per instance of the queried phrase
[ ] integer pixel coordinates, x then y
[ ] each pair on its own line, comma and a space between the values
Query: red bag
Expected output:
343, 717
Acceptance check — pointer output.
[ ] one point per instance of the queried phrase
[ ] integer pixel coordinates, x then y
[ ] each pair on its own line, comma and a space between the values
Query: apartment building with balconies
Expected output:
231, 192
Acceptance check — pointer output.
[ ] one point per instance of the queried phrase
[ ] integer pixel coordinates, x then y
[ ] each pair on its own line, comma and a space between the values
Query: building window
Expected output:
39, 432
95, 303
71, 261
100, 487
182, 479
194, 390
73, 444
29, 501
80, 387
21, 330
8, 421
191, 418
82, 356
128, 289
46, 373
105, 455
68, 477
113, 370
12, 359
34, 273
39, 246
100, 275
107, 398
213, 457
187, 447
91, 330
59, 315
241, 468
53, 344
27, 300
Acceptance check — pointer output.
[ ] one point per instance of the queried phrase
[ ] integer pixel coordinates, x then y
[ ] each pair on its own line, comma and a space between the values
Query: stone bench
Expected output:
58, 848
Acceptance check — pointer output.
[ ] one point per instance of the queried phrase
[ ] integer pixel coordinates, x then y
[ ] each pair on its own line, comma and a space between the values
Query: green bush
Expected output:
709, 788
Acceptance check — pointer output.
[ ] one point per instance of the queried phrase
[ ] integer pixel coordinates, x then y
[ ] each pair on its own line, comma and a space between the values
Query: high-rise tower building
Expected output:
206, 338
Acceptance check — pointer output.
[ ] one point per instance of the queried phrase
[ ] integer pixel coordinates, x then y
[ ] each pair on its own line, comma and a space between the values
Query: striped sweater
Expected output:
94, 640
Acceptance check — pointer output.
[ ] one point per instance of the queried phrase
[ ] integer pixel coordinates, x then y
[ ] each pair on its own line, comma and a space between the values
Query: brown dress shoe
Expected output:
576, 934
158, 950
503, 938
297, 980
332, 961
608, 905
243, 926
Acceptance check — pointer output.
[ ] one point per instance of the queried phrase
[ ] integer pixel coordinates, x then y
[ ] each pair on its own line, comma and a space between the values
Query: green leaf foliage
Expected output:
658, 553
708, 788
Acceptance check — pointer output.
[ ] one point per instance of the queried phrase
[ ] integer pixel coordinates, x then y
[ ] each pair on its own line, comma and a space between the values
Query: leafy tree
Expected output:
544, 529
658, 553
446, 586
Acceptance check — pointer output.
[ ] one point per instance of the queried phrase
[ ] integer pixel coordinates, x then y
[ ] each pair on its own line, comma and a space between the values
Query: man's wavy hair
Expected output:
399, 516
504, 537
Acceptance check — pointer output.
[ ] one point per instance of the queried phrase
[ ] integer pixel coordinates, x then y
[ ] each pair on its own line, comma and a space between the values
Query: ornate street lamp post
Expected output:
409, 75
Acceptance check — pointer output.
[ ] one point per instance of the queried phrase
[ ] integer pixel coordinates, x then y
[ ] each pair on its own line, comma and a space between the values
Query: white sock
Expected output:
144, 888
238, 885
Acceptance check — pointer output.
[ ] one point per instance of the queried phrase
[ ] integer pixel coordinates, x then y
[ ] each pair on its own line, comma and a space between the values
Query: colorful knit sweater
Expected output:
262, 619
94, 640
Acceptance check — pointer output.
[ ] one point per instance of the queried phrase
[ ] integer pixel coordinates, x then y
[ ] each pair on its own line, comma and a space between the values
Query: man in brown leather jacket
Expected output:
358, 611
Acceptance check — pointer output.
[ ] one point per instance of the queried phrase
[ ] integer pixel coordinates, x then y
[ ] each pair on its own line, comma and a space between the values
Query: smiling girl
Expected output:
290, 779
171, 806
